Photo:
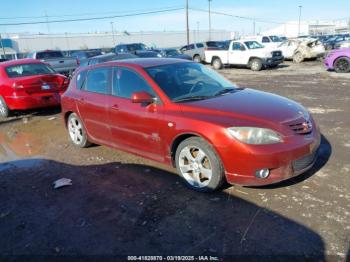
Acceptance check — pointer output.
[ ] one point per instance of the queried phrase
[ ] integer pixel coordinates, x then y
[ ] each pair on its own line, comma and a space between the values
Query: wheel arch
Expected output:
340, 57
215, 57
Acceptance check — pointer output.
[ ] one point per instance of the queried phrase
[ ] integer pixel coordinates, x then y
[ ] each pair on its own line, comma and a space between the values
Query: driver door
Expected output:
237, 54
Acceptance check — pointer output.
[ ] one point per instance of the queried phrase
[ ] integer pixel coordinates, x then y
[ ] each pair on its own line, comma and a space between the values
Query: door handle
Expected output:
115, 107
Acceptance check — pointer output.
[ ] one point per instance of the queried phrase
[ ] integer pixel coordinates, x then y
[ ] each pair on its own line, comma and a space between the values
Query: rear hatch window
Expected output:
28, 70
49, 55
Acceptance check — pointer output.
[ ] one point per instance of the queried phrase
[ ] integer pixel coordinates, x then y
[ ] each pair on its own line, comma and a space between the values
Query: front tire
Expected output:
77, 132
342, 65
256, 64
4, 110
217, 64
199, 165
197, 59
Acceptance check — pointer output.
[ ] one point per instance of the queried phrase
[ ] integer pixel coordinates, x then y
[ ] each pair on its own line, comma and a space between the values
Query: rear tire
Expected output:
197, 59
342, 65
77, 132
4, 110
256, 64
298, 58
199, 165
217, 64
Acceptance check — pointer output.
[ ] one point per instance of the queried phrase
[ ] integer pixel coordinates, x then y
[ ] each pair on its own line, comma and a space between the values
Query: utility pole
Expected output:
187, 26
2, 47
112, 25
300, 7
209, 20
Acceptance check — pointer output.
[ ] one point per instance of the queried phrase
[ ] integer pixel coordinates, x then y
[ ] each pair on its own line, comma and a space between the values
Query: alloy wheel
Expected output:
195, 166
75, 130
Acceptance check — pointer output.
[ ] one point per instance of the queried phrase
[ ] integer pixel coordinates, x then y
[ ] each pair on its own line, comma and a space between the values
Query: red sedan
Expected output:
186, 115
27, 84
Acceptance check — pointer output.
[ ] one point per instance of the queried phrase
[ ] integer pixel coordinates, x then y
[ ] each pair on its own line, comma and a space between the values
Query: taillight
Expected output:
17, 85
78, 62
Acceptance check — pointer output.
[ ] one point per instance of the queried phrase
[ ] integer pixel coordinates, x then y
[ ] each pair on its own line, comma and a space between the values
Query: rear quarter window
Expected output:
80, 80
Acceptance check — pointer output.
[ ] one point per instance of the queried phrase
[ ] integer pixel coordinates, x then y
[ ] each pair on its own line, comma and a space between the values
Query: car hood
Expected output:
247, 105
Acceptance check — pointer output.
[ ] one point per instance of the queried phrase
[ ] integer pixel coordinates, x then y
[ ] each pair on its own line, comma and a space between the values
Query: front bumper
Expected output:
283, 161
273, 61
33, 101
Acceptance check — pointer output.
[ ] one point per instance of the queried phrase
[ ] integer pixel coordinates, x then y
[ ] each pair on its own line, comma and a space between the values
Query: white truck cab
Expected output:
247, 53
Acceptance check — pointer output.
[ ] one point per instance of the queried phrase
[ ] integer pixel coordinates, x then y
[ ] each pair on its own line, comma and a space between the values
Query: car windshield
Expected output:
172, 52
275, 39
136, 47
28, 70
183, 82
253, 45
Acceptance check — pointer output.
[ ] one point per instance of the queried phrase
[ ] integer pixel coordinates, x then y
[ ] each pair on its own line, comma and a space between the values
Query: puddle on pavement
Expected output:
19, 149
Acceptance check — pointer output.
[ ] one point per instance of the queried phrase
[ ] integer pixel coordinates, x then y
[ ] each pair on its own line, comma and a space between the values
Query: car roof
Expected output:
20, 62
148, 62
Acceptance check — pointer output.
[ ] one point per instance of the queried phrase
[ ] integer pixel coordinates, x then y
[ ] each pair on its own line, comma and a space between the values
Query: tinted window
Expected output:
81, 79
200, 45
236, 46
126, 82
28, 70
190, 47
98, 80
265, 39
49, 55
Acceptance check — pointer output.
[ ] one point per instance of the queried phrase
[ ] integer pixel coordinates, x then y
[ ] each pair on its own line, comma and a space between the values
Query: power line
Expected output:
91, 18
87, 14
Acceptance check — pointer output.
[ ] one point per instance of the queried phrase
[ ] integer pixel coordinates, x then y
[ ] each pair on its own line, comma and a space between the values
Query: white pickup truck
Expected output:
244, 53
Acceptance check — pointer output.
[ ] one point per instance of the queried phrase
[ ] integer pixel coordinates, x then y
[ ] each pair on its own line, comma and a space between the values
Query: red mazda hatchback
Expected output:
27, 84
186, 115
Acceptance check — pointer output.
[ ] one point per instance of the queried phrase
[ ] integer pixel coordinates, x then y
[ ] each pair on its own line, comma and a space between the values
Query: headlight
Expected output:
255, 135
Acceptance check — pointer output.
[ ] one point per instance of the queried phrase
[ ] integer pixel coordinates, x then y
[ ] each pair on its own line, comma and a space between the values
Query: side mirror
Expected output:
142, 98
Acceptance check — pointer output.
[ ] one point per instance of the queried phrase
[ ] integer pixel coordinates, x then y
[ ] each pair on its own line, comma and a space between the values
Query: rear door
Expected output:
134, 127
92, 103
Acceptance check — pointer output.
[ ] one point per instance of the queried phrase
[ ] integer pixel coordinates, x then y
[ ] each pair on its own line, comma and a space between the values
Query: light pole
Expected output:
112, 25
300, 7
209, 20
187, 26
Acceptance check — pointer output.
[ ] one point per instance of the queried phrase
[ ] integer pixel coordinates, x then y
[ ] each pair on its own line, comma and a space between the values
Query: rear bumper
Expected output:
33, 101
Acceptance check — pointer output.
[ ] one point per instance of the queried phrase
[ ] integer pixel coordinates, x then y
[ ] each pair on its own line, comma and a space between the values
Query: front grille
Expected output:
304, 162
301, 128
276, 53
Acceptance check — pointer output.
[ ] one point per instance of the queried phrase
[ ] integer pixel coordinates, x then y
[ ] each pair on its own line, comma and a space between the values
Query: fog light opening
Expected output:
262, 173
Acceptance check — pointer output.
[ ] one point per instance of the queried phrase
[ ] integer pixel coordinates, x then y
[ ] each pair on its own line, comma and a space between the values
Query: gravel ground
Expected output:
120, 204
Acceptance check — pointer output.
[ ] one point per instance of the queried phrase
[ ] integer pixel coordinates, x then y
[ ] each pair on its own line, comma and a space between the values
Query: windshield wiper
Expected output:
225, 91
191, 98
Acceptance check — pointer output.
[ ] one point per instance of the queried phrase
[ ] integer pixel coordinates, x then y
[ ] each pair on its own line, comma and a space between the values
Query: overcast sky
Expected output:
266, 10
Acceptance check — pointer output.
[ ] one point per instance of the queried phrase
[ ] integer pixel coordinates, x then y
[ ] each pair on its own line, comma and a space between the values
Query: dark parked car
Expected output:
3, 60
173, 53
106, 58
137, 49
184, 114
332, 42
81, 56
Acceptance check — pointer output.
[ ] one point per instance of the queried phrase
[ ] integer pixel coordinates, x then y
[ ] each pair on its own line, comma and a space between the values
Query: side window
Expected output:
126, 82
81, 79
98, 80
265, 39
190, 47
236, 46
200, 45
